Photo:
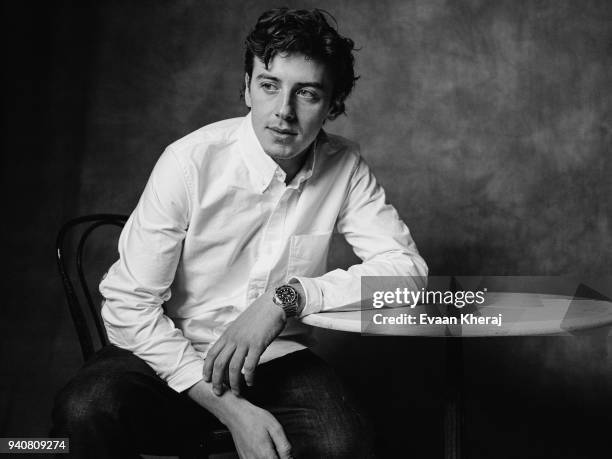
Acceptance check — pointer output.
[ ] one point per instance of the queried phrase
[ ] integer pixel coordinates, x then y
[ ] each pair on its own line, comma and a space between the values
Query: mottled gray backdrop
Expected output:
488, 122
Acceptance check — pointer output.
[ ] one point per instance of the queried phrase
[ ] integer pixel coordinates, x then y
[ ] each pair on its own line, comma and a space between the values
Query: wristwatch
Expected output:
287, 298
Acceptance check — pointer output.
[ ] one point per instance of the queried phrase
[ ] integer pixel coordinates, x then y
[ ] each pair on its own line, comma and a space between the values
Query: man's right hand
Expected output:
256, 432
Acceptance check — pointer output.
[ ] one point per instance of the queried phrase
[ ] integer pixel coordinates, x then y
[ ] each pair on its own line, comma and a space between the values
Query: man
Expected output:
224, 252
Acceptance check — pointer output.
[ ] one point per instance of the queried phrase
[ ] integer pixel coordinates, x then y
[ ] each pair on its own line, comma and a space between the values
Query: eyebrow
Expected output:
314, 84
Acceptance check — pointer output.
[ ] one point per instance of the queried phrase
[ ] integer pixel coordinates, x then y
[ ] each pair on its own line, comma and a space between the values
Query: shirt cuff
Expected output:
187, 376
314, 297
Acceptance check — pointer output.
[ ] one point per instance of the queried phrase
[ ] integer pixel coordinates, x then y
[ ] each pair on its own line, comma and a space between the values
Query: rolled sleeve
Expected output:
188, 375
313, 300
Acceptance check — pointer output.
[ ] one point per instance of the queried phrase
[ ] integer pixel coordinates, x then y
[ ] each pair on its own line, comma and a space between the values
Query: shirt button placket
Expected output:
272, 235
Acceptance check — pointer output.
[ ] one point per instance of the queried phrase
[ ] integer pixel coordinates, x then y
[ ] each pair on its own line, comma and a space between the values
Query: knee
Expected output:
83, 401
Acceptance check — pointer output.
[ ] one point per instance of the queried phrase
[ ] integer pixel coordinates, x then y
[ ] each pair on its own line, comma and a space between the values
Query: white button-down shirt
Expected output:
216, 226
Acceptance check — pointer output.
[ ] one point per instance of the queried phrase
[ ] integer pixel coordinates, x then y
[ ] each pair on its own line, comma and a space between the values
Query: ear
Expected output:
247, 90
334, 110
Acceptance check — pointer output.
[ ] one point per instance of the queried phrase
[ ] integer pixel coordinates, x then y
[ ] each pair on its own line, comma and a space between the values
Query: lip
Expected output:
280, 131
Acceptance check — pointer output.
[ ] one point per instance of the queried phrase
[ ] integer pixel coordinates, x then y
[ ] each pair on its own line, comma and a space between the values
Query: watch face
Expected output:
286, 294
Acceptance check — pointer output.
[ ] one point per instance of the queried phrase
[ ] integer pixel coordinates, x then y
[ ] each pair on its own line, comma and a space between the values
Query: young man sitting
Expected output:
224, 253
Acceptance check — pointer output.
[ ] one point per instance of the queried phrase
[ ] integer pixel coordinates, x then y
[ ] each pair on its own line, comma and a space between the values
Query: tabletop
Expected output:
503, 314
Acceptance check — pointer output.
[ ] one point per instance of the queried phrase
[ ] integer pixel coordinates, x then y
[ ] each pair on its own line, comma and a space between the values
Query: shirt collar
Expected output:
262, 168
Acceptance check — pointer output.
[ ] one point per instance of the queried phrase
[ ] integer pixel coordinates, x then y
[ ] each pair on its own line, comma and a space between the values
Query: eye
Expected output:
268, 86
308, 94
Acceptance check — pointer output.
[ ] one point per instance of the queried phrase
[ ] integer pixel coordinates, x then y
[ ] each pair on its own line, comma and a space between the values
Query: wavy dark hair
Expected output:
284, 30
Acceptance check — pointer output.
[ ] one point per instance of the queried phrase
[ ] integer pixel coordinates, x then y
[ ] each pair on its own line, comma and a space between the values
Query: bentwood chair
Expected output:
77, 259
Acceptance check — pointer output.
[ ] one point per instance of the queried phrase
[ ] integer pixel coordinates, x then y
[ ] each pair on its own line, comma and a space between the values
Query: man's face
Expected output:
289, 102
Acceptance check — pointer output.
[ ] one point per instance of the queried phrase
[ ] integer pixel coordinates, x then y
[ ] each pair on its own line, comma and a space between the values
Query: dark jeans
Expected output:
117, 407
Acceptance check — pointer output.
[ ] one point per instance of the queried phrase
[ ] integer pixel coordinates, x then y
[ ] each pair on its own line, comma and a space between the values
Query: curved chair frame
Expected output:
94, 221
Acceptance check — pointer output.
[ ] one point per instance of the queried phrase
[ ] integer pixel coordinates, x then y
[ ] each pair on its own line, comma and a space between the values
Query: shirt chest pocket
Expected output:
308, 254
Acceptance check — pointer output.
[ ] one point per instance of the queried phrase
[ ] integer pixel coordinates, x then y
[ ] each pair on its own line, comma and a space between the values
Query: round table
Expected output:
518, 314
522, 314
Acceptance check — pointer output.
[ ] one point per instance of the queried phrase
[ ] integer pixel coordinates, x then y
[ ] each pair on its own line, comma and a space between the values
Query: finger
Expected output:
268, 449
210, 359
281, 443
219, 366
235, 369
250, 364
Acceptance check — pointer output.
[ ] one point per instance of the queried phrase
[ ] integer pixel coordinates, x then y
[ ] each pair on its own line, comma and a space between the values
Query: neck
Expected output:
292, 166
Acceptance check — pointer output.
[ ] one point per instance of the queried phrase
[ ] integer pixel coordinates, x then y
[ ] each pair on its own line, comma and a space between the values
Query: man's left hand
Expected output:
243, 342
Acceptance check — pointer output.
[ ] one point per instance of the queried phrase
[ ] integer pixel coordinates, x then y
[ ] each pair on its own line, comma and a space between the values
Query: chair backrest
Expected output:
72, 240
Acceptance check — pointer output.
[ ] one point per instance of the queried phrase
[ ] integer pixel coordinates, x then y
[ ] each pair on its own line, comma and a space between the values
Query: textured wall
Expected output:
488, 122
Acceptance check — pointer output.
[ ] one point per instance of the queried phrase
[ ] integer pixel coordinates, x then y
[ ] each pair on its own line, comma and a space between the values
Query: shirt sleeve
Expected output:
377, 235
137, 285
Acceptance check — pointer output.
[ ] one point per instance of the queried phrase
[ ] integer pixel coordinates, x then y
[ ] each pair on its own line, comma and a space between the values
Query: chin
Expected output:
276, 152
282, 155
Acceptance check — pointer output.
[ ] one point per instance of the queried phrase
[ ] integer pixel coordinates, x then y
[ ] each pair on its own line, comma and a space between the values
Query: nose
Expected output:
285, 109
